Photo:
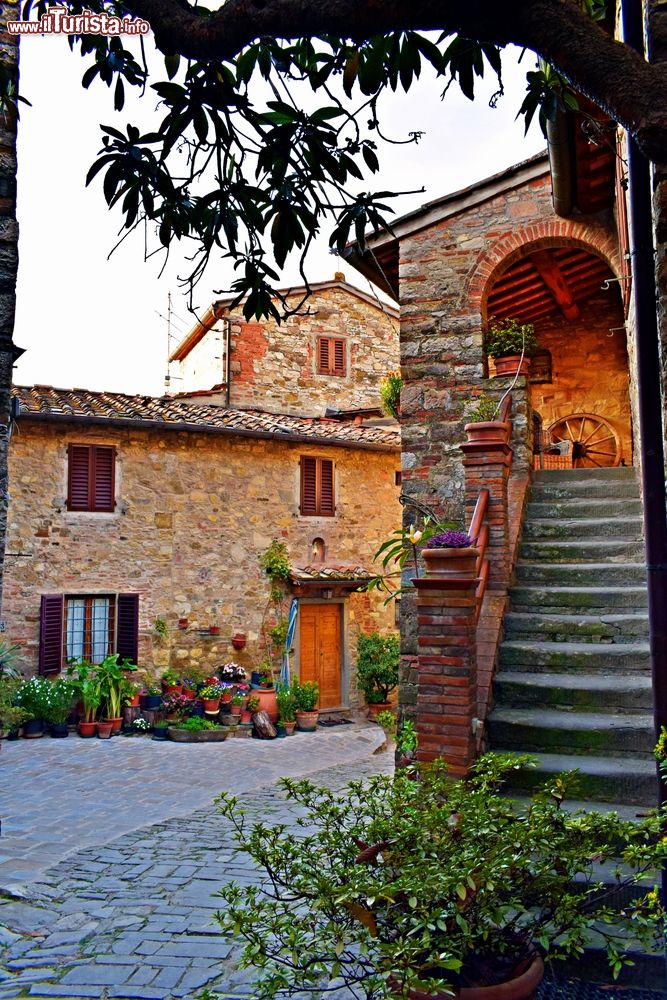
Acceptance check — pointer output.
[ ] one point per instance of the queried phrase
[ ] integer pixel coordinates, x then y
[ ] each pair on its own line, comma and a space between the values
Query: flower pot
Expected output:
160, 734
87, 729
188, 693
59, 730
133, 702
307, 721
523, 987
267, 702
172, 689
290, 727
211, 705
375, 708
488, 431
116, 724
197, 708
104, 729
205, 736
226, 698
33, 729
246, 717
510, 364
452, 563
183, 623
239, 640
214, 630
281, 732
150, 702
236, 711
13, 733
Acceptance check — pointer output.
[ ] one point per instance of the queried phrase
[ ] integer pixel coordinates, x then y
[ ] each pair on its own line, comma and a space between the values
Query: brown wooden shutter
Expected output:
78, 477
51, 633
327, 504
308, 485
103, 465
127, 633
338, 367
323, 356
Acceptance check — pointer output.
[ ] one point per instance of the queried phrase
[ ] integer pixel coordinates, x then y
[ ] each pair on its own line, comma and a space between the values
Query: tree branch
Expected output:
630, 90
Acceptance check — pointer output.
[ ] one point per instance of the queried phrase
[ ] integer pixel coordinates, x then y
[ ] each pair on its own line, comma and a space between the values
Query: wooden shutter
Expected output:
78, 477
127, 634
103, 465
308, 485
323, 356
51, 633
327, 505
338, 367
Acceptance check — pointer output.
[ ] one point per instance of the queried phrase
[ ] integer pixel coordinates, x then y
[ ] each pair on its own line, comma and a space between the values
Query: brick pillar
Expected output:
447, 664
487, 464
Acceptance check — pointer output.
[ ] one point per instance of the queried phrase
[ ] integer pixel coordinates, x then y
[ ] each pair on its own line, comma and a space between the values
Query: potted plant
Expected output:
11, 716
451, 554
138, 727
306, 695
150, 698
196, 730
211, 695
104, 728
431, 887
483, 423
511, 344
112, 684
131, 694
62, 695
34, 698
251, 706
171, 682
286, 708
160, 628
232, 673
236, 705
377, 669
160, 730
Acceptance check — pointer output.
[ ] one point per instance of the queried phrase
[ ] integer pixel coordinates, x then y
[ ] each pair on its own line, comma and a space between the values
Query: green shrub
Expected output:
378, 659
509, 336
306, 695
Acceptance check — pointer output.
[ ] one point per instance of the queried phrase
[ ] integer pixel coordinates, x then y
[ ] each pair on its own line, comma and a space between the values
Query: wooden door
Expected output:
320, 650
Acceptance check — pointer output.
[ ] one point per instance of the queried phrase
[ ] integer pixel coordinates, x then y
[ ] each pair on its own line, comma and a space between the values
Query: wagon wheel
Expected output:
594, 440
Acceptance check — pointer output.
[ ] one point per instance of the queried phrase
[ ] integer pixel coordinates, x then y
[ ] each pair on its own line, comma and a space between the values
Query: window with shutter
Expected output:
331, 358
50, 633
317, 487
87, 626
91, 477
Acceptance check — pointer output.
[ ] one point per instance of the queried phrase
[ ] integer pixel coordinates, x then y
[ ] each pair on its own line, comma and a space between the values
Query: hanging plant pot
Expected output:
183, 623
239, 640
451, 563
510, 364
214, 630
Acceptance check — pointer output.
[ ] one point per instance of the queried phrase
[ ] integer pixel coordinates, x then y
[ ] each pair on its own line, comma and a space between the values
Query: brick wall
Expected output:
194, 512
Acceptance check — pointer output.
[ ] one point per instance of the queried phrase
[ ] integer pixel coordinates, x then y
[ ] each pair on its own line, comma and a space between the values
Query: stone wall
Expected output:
274, 367
194, 512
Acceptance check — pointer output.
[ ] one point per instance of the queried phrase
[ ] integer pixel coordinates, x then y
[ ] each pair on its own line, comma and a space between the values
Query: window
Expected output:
330, 356
91, 477
317, 486
89, 626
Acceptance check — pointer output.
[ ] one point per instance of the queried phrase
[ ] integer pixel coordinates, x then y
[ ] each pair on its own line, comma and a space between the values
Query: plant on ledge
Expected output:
399, 885
390, 394
394, 553
486, 409
450, 540
509, 336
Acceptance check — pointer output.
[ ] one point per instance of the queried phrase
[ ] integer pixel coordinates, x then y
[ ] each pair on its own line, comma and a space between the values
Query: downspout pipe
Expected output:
560, 147
649, 399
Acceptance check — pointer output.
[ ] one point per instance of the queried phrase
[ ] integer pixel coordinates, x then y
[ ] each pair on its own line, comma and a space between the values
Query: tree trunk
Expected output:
9, 259
263, 726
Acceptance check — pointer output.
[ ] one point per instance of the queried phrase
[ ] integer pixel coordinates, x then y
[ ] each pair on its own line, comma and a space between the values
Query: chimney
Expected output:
339, 276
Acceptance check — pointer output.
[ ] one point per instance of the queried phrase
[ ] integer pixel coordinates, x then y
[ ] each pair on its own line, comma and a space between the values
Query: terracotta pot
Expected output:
183, 623
87, 729
488, 430
211, 705
290, 727
116, 724
104, 730
214, 630
510, 364
134, 701
226, 698
452, 563
172, 689
235, 710
375, 709
267, 702
239, 640
246, 717
188, 693
524, 987
307, 721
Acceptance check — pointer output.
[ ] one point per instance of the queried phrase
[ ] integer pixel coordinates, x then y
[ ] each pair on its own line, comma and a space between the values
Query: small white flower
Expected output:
414, 535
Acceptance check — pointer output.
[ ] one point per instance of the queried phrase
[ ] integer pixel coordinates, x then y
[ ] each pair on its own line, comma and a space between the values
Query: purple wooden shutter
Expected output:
308, 485
78, 477
127, 630
327, 501
51, 633
103, 462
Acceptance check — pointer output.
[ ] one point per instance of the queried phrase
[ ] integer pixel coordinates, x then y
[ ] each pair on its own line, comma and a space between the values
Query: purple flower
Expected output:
450, 540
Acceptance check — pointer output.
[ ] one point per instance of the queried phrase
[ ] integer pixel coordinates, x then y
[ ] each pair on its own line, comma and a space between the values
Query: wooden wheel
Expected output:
594, 442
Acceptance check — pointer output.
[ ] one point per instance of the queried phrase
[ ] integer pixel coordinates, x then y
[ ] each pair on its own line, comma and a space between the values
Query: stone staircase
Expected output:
573, 683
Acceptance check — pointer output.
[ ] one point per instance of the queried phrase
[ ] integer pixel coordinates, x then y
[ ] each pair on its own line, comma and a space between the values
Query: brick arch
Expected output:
553, 233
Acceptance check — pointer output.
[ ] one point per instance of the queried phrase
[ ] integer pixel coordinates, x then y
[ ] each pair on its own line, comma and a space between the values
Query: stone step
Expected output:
577, 600
623, 693
539, 627
585, 508
579, 527
583, 550
580, 574
579, 733
587, 657
601, 779
609, 474
587, 489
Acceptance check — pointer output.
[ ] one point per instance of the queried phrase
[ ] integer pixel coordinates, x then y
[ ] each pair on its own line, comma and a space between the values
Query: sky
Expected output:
89, 321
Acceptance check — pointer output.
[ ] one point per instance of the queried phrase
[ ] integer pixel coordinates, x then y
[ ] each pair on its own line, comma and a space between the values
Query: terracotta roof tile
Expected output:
330, 574
45, 401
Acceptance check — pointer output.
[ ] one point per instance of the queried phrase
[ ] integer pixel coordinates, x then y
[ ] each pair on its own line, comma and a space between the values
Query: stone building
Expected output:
128, 510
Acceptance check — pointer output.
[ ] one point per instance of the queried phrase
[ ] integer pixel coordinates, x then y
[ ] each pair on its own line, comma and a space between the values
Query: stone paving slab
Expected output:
132, 917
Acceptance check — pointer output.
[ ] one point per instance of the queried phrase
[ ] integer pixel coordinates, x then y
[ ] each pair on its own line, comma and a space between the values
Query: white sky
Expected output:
89, 322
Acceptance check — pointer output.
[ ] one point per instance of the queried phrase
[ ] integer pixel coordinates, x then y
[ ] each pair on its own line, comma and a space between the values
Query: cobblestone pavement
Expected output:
131, 916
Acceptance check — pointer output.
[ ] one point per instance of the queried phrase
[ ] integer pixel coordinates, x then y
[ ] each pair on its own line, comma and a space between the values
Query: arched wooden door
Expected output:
320, 650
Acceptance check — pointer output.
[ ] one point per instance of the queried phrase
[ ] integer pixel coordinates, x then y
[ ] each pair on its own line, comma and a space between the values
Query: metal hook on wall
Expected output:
613, 329
606, 284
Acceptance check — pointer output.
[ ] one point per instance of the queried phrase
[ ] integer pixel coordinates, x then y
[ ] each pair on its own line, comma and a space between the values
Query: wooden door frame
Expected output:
344, 665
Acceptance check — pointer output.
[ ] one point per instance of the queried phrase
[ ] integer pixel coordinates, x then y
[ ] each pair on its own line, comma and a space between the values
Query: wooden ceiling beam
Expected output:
552, 276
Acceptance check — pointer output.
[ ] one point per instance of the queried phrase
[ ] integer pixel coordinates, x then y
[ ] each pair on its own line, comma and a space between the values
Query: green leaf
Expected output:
171, 63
